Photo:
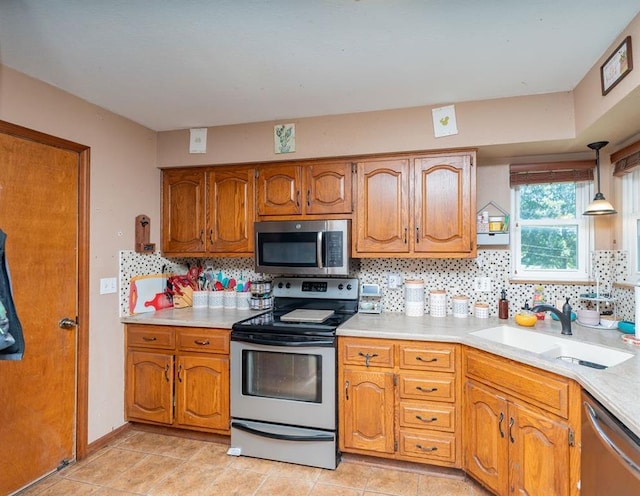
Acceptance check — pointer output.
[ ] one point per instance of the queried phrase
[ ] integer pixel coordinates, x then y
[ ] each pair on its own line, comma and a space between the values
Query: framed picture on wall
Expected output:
617, 66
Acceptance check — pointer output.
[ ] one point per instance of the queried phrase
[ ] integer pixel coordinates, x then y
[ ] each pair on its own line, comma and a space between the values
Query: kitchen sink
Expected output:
590, 355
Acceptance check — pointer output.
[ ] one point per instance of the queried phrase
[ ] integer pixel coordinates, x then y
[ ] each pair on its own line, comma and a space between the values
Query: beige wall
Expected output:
124, 183
549, 117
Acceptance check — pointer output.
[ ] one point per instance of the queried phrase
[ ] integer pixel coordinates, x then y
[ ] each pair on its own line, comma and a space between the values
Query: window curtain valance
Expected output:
551, 172
626, 160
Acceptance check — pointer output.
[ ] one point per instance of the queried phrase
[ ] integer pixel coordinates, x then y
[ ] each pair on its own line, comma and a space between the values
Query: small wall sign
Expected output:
444, 121
284, 138
617, 66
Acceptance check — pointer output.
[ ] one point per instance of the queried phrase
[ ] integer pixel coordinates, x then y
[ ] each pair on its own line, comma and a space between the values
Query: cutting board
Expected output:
143, 291
307, 315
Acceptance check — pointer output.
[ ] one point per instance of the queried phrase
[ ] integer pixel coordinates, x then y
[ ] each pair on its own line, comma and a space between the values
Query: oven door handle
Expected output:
275, 342
283, 437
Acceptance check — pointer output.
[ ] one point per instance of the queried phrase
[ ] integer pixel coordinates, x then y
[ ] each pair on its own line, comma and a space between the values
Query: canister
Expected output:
481, 310
438, 303
460, 306
414, 297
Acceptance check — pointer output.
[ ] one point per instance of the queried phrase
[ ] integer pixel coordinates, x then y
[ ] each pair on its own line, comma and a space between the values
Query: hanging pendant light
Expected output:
599, 206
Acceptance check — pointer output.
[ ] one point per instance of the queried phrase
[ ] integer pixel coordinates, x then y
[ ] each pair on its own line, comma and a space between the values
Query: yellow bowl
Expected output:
526, 319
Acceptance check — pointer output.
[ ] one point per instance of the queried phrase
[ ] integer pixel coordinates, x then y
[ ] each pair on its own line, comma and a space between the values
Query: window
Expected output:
631, 221
551, 238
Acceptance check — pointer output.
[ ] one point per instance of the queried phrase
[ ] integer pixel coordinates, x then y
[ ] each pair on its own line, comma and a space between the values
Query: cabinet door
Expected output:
485, 434
367, 411
183, 211
149, 389
279, 190
202, 392
230, 211
444, 205
382, 212
328, 188
539, 454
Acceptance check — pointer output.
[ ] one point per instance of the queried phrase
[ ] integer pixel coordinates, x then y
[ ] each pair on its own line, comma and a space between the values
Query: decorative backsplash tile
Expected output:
455, 276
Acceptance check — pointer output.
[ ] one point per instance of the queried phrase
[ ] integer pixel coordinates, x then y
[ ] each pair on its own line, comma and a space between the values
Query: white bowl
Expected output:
589, 317
608, 322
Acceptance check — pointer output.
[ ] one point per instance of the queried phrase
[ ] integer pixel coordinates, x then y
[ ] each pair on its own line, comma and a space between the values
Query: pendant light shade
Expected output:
599, 205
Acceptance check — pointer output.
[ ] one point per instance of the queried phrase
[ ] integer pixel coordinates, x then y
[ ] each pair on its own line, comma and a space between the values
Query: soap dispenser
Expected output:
503, 305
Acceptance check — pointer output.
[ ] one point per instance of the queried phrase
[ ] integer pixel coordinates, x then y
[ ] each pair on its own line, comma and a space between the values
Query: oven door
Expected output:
291, 383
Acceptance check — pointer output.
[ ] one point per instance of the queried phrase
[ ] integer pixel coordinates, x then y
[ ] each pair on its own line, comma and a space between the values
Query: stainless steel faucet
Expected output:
564, 315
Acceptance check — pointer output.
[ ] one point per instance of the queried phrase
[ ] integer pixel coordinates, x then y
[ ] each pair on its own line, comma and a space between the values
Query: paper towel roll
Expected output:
637, 303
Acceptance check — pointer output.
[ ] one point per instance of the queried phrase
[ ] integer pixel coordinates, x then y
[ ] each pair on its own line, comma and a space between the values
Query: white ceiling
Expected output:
172, 64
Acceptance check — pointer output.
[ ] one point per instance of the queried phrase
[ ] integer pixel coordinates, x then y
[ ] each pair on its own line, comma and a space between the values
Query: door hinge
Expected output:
354, 167
395, 445
395, 380
572, 439
64, 463
257, 173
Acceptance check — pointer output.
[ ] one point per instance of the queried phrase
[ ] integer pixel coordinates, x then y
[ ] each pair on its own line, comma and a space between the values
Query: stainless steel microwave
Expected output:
306, 247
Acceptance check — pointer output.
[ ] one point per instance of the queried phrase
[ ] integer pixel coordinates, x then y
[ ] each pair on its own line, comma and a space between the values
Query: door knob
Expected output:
67, 323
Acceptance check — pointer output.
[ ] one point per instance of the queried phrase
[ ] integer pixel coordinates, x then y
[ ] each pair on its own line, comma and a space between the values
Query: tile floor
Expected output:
146, 463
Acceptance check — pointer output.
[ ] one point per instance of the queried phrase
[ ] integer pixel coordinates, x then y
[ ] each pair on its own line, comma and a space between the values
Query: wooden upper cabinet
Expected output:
208, 210
183, 211
328, 188
230, 211
416, 206
444, 204
309, 188
382, 214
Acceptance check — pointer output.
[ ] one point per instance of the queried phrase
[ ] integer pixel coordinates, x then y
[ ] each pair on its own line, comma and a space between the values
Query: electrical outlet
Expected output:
393, 281
483, 284
108, 285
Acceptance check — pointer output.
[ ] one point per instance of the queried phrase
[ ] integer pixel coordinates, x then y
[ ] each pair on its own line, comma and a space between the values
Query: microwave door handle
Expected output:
319, 249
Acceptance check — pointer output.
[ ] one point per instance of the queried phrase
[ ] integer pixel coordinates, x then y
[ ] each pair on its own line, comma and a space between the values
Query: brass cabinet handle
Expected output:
425, 390
432, 448
297, 198
417, 235
511, 422
166, 373
432, 419
179, 373
500, 424
419, 358
202, 236
367, 357
346, 389
405, 235
149, 338
308, 198
201, 342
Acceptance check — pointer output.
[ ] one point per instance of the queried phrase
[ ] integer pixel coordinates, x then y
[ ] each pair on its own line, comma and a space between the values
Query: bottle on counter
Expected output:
503, 305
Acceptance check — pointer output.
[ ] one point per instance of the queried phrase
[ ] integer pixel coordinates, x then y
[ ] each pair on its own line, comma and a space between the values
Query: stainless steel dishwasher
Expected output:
610, 453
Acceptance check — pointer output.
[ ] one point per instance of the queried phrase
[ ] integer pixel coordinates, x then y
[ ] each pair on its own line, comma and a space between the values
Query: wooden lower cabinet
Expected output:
178, 376
400, 400
514, 445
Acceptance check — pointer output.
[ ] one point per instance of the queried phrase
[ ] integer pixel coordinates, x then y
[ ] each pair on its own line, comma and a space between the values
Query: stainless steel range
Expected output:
283, 373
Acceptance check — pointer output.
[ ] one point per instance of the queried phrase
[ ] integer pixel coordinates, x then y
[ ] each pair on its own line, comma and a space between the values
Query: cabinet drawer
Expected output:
428, 446
428, 356
203, 340
542, 389
355, 352
423, 415
150, 336
433, 387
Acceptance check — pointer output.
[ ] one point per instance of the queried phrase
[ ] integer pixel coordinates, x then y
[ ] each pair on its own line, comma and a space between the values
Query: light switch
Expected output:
108, 285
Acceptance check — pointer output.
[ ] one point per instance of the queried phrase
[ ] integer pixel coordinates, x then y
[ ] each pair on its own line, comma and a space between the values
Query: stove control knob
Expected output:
280, 285
341, 286
288, 285
349, 287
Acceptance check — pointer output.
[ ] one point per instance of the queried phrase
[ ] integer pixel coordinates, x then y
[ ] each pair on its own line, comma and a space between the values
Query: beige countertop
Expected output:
618, 387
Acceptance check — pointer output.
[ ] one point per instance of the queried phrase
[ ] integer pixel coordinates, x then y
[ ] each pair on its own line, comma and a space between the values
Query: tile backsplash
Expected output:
455, 276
